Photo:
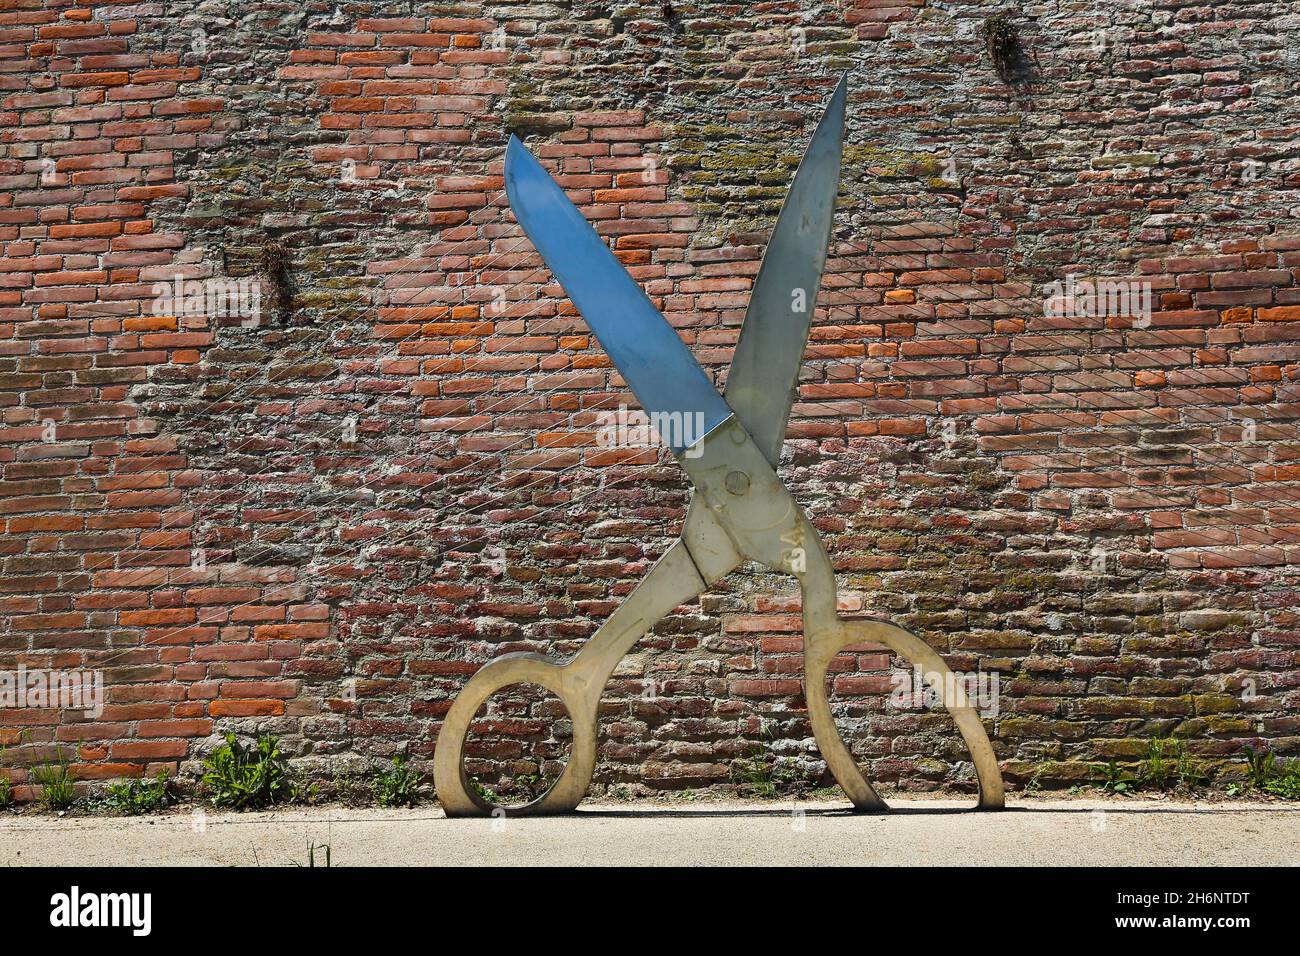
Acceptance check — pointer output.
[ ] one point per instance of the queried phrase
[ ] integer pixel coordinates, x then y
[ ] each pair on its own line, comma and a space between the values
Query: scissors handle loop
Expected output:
673, 581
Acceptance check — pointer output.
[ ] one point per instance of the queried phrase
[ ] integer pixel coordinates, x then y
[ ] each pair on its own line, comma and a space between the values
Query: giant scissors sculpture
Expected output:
740, 510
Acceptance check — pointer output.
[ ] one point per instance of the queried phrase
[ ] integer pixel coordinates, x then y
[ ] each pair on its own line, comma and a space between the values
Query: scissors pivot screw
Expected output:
737, 482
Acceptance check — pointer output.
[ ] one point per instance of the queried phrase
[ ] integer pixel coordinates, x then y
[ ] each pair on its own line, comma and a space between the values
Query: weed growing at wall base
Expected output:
398, 785
1167, 766
137, 797
761, 772
1280, 778
55, 781
6, 787
246, 778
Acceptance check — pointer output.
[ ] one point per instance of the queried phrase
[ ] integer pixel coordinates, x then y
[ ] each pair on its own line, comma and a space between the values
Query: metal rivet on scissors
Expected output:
740, 509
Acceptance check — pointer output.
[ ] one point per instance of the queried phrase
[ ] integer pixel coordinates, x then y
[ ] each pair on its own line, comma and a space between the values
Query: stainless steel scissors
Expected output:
739, 511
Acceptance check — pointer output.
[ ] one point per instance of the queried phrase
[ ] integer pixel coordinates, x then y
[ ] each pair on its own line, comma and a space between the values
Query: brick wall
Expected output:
319, 523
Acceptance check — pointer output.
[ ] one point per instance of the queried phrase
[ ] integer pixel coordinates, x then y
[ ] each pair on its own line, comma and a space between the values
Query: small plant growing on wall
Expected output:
55, 780
398, 786
1281, 778
275, 266
138, 797
1002, 41
246, 778
6, 787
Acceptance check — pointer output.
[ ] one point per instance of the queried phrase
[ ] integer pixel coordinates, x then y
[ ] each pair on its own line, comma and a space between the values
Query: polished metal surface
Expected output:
765, 368
740, 509
655, 362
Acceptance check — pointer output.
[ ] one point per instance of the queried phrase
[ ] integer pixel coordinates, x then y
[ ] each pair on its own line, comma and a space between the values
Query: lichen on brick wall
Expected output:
320, 524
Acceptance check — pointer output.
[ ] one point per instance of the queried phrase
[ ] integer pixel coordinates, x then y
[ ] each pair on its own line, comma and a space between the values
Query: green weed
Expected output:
309, 795
483, 792
532, 785
397, 786
246, 778
138, 797
57, 790
1191, 774
312, 847
1259, 767
1115, 779
1002, 41
1287, 781
758, 769
1265, 772
6, 788
1160, 766
1167, 766
524, 788
1033, 784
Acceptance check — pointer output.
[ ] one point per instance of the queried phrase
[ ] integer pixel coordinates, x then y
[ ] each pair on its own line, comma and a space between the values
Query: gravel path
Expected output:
1041, 832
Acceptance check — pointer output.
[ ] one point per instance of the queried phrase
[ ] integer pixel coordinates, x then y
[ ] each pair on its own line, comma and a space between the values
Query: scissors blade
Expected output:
765, 368
655, 362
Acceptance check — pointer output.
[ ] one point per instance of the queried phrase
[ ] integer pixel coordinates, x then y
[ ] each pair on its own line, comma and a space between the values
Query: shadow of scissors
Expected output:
740, 509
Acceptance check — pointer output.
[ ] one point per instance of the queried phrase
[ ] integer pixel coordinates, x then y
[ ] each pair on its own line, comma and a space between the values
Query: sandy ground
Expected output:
1040, 832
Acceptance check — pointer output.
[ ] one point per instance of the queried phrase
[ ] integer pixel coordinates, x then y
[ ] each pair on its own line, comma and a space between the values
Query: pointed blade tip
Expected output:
513, 148
517, 163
